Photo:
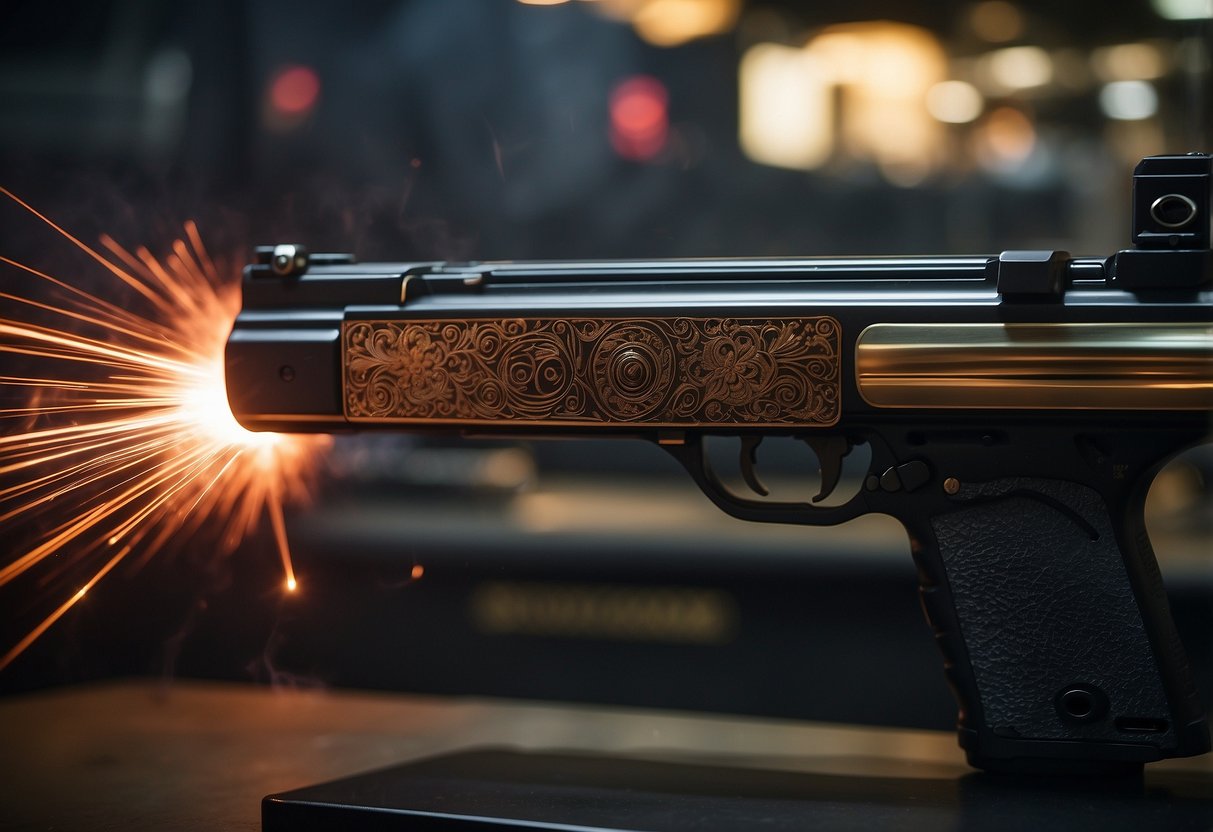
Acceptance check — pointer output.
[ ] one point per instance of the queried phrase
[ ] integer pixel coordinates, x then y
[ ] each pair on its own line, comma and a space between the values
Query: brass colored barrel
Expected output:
1106, 366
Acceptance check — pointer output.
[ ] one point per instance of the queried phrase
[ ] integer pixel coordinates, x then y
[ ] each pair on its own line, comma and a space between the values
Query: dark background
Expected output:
468, 130
481, 129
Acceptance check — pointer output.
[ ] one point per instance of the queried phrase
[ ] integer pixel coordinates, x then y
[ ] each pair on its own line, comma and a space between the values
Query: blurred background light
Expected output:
294, 91
1128, 62
882, 71
167, 81
1184, 9
857, 91
1017, 68
640, 123
996, 21
785, 108
1005, 139
672, 22
169, 74
675, 22
1128, 100
954, 102
539, 101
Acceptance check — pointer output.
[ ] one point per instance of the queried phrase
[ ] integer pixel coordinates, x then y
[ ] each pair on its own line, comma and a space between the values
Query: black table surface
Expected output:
184, 755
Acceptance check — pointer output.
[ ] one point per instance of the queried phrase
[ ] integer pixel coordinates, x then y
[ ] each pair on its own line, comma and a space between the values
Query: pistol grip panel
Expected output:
1031, 599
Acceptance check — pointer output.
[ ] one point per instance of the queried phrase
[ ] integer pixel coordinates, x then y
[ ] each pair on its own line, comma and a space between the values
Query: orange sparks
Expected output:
124, 421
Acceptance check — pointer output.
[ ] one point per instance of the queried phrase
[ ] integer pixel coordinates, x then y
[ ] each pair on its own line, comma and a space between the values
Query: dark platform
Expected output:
498, 789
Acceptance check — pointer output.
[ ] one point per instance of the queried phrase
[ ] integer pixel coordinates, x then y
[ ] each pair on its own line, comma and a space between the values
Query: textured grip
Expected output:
1051, 635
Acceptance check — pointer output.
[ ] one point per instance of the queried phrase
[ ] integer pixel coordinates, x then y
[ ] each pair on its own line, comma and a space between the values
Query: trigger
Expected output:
749, 458
829, 450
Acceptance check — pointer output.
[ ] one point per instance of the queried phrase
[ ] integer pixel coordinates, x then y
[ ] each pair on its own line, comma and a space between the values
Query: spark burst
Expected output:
124, 428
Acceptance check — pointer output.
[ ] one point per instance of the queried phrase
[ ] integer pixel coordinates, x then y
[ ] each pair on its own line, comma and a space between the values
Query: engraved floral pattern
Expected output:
735, 368
632, 369
665, 371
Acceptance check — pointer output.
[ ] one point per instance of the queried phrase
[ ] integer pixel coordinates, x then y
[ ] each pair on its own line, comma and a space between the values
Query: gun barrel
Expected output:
1068, 366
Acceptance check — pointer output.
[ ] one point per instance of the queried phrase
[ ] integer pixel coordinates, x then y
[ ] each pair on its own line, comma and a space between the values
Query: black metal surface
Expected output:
508, 790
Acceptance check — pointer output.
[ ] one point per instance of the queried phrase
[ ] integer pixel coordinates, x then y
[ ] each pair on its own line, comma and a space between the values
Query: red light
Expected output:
640, 121
294, 90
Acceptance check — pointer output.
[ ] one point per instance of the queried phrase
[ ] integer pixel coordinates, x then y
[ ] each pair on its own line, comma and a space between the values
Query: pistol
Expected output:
1015, 409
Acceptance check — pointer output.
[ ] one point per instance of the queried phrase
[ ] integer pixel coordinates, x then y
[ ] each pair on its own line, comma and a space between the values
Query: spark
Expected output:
124, 441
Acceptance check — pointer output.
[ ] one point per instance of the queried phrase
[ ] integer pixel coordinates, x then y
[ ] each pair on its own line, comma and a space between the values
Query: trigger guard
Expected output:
692, 455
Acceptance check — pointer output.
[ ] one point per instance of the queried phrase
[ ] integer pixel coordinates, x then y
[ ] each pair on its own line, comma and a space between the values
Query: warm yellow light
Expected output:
417, 571
954, 102
291, 585
840, 52
675, 22
1018, 68
883, 72
785, 107
1128, 62
861, 87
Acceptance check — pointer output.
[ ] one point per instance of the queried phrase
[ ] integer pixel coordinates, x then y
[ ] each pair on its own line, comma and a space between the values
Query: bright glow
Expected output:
841, 49
1184, 9
291, 585
954, 102
639, 120
858, 87
675, 22
127, 440
785, 116
1128, 62
883, 71
204, 410
294, 91
1005, 140
1019, 67
1128, 100
417, 571
996, 21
